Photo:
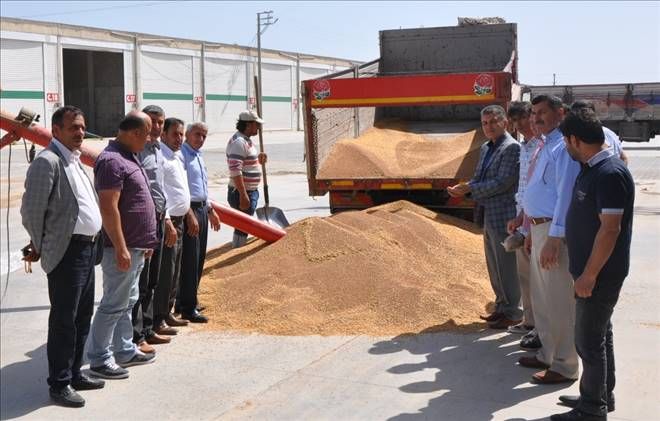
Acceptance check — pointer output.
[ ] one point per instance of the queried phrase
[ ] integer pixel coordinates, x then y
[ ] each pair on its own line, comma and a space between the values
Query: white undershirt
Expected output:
177, 191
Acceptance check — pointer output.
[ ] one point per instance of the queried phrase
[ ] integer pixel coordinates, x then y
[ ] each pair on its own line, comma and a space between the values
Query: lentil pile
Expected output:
389, 270
390, 151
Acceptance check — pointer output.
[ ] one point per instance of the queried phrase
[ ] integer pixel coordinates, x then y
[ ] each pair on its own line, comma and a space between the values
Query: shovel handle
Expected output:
261, 139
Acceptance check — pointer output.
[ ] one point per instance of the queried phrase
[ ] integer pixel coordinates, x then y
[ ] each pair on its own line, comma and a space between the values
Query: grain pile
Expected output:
390, 151
388, 270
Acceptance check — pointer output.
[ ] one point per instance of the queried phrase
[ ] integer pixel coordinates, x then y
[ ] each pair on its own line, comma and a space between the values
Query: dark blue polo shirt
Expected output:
604, 186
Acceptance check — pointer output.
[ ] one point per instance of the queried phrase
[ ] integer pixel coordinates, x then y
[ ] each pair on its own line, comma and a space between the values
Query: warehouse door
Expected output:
94, 82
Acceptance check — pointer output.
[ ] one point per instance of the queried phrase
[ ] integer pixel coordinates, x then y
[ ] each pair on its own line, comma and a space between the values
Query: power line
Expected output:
95, 10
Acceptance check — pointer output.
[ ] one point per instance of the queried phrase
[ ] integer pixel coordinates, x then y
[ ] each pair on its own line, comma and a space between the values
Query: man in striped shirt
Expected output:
244, 162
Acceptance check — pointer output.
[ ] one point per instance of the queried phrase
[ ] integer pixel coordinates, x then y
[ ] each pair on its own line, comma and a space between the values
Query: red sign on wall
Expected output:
294, 103
252, 100
199, 100
53, 97
130, 98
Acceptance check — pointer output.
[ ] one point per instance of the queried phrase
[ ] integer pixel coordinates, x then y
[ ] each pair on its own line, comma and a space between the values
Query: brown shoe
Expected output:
492, 317
502, 323
175, 321
156, 339
550, 377
145, 348
164, 329
532, 362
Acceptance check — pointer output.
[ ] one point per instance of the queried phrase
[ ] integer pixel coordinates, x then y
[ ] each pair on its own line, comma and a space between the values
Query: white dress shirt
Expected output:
89, 216
177, 191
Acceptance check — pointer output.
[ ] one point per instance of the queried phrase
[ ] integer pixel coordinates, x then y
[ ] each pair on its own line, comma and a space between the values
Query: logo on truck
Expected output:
321, 89
483, 84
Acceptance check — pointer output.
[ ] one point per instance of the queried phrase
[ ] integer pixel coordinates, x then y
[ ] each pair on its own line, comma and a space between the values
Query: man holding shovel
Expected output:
244, 162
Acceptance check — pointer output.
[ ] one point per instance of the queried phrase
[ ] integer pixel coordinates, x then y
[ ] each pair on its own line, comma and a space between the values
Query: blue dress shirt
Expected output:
196, 170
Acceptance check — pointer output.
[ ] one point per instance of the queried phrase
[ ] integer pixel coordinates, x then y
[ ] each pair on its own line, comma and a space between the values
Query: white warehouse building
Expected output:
108, 73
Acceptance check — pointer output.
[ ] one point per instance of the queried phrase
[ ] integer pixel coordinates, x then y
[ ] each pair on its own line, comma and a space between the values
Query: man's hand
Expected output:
214, 219
584, 285
170, 234
514, 224
244, 202
263, 158
528, 244
123, 258
33, 255
459, 190
550, 253
192, 224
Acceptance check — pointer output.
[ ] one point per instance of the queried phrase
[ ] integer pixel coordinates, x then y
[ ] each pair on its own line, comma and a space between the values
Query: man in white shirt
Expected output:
61, 214
177, 194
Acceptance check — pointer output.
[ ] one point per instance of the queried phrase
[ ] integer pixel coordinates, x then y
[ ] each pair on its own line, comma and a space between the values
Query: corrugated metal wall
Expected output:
226, 92
167, 80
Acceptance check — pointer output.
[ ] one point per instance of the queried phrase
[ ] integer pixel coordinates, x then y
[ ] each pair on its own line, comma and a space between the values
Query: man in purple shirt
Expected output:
129, 232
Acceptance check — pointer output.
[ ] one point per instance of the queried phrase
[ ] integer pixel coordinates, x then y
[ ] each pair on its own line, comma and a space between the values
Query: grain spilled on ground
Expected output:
389, 270
391, 152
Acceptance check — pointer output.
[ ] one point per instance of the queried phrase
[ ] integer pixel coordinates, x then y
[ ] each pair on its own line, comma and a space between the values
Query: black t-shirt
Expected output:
606, 187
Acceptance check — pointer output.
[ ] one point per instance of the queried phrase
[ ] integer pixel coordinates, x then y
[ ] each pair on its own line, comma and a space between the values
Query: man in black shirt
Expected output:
598, 234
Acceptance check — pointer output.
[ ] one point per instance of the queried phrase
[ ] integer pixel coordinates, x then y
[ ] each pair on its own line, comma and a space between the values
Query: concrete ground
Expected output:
442, 376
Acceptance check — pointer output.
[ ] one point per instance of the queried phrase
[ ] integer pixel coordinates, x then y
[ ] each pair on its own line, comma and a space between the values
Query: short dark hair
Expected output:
577, 105
153, 109
519, 109
554, 102
241, 125
583, 124
172, 121
58, 116
132, 122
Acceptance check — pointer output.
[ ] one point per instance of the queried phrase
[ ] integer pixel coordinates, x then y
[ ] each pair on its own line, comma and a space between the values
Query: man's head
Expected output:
547, 112
493, 121
68, 126
173, 133
249, 123
196, 135
134, 131
157, 116
580, 104
520, 117
583, 134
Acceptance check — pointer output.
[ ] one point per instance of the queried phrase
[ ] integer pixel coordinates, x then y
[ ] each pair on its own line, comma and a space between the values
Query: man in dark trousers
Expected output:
61, 214
598, 235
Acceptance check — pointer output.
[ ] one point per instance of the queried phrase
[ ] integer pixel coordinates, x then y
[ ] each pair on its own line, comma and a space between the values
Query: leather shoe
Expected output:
532, 362
87, 383
145, 348
550, 377
66, 396
175, 322
492, 317
502, 323
164, 329
195, 317
572, 401
577, 415
156, 339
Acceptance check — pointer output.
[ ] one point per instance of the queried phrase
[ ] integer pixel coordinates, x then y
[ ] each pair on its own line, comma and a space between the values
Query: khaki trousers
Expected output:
522, 262
553, 295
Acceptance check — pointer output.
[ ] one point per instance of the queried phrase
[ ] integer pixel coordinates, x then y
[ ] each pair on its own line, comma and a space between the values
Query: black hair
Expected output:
519, 109
241, 125
153, 109
554, 102
577, 105
132, 122
583, 124
172, 121
58, 116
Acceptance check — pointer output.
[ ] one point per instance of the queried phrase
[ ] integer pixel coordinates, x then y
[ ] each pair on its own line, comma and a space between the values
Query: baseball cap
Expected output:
250, 115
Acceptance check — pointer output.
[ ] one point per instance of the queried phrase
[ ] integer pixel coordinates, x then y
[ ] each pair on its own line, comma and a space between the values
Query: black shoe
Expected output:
531, 343
572, 401
67, 397
195, 317
577, 415
87, 383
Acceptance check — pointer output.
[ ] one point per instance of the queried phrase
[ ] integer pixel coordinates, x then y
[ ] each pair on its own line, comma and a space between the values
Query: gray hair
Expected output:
197, 125
495, 110
153, 109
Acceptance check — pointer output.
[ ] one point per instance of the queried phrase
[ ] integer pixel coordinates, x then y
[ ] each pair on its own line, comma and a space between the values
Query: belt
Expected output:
198, 204
84, 238
539, 221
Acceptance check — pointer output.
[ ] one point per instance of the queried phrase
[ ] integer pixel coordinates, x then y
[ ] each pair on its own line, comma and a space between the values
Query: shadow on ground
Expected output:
476, 374
23, 385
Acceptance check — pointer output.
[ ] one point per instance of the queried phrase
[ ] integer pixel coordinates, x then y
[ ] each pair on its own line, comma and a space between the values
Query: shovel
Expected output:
267, 214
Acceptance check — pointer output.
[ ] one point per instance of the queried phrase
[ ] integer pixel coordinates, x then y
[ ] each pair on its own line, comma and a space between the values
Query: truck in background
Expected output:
631, 110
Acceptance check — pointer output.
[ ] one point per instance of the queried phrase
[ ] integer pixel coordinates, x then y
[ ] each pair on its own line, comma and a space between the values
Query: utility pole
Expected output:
264, 20
554, 79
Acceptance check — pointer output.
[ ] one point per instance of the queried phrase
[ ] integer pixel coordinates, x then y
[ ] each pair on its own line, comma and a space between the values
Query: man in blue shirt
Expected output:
547, 196
598, 235
195, 224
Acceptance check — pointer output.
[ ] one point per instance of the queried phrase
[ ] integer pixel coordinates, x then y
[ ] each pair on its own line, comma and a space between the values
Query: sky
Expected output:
578, 42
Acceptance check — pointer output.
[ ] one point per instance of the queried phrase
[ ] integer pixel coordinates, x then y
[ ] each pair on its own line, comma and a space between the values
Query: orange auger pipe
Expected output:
41, 136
